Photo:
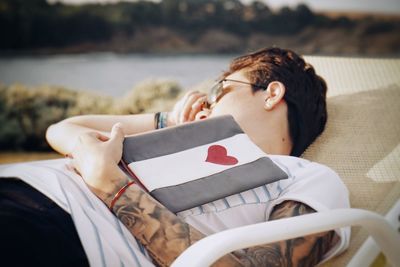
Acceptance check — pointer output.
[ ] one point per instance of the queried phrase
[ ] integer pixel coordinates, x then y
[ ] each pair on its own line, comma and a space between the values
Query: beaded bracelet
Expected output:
163, 119
119, 194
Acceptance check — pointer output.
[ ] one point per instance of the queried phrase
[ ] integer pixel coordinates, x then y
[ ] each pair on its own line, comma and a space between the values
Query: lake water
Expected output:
108, 73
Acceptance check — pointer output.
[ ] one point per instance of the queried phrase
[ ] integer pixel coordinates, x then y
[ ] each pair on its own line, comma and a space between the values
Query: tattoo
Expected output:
301, 251
164, 235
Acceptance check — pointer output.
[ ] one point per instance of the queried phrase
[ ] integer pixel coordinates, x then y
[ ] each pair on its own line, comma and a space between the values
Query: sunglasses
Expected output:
218, 90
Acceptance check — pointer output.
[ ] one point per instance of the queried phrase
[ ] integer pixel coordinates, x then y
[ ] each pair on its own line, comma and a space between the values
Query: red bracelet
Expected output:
119, 194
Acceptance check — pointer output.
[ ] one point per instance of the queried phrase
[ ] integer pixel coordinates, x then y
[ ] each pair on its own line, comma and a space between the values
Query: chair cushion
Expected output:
361, 143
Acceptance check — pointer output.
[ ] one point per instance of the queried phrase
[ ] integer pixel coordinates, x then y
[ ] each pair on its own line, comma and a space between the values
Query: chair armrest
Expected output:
208, 250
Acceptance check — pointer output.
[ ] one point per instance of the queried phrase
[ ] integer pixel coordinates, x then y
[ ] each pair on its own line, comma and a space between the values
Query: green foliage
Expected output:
36, 23
150, 96
380, 27
26, 113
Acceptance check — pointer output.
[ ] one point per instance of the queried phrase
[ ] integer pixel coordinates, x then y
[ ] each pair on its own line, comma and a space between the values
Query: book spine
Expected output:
133, 175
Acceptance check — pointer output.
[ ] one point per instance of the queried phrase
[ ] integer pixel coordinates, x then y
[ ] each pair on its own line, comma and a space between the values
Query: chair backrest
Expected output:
361, 141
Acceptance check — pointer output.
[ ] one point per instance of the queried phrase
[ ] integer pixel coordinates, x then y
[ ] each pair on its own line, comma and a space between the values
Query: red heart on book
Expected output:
219, 155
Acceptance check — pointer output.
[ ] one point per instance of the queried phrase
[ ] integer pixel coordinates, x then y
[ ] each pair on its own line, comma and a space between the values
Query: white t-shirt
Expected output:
308, 182
107, 242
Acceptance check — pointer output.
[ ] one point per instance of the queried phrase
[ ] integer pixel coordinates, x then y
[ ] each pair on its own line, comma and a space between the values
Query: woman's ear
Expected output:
274, 94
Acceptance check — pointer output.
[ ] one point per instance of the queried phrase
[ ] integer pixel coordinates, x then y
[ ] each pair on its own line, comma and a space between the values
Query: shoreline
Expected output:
363, 40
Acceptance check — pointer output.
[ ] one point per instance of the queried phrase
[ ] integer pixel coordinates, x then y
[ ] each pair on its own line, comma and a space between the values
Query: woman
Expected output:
279, 102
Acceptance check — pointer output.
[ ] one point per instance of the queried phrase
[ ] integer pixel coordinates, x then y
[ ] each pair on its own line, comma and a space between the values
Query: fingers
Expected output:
176, 113
92, 153
75, 159
203, 114
191, 106
117, 134
115, 143
197, 107
85, 141
70, 167
102, 137
73, 166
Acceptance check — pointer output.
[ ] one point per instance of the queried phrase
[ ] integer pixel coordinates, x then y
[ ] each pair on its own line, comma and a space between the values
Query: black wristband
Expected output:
157, 120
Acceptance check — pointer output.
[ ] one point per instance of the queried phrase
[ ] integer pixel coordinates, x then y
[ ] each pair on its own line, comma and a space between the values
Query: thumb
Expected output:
117, 133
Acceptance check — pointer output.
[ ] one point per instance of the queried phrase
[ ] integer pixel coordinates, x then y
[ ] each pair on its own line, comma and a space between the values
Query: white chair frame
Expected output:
210, 249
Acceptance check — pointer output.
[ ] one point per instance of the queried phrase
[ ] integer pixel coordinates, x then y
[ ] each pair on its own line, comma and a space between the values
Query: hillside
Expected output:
189, 26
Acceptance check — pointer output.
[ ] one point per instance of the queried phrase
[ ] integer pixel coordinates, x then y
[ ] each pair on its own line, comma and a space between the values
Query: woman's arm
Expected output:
63, 135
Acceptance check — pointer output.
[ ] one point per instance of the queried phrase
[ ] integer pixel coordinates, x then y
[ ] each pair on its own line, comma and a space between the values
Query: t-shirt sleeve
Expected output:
320, 188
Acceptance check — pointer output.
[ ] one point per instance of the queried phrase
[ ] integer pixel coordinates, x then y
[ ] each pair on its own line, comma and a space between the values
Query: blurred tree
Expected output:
37, 24
10, 132
149, 96
26, 113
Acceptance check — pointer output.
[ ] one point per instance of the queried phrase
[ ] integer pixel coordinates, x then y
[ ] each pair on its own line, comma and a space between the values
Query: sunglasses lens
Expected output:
215, 91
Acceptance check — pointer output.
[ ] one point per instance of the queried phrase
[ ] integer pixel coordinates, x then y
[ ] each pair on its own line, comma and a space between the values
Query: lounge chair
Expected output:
362, 144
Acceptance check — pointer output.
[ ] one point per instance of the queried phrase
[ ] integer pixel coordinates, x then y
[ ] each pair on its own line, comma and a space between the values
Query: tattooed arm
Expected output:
301, 251
164, 234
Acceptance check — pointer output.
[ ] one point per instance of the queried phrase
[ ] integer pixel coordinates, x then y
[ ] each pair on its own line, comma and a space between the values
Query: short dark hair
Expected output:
305, 93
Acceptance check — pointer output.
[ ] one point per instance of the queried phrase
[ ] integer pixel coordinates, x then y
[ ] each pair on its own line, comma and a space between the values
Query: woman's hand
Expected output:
185, 109
95, 157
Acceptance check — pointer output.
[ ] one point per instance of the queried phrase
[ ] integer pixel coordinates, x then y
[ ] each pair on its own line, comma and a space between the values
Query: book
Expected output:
198, 162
